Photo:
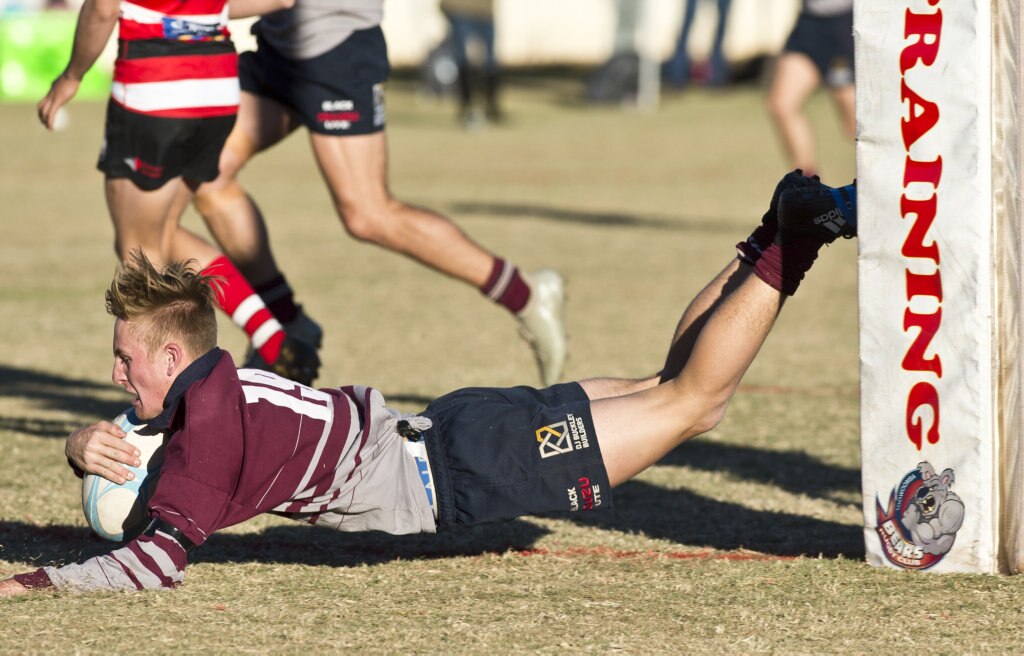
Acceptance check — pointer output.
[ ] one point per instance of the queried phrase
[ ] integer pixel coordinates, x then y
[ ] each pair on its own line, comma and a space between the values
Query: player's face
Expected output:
148, 378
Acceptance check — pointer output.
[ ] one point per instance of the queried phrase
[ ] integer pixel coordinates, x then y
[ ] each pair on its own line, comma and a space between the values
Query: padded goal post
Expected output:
939, 150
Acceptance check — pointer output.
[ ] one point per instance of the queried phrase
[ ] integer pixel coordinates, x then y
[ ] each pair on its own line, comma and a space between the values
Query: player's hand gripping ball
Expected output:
119, 512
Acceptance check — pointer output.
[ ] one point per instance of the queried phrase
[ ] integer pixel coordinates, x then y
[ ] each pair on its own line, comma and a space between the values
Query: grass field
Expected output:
746, 540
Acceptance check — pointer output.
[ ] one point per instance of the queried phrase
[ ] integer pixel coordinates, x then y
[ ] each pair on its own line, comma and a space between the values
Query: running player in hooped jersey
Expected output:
172, 105
244, 442
322, 65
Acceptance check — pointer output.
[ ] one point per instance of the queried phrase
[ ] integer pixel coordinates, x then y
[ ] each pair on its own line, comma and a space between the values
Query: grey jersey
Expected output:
827, 7
312, 27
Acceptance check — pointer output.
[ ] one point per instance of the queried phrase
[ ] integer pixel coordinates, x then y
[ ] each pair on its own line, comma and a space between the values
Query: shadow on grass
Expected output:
793, 471
290, 545
605, 219
410, 399
690, 519
49, 391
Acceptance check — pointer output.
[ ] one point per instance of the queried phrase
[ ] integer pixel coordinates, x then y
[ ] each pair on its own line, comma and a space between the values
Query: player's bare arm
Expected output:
11, 588
96, 23
101, 449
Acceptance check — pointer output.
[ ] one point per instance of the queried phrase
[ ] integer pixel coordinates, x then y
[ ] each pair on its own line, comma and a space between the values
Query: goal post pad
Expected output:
938, 151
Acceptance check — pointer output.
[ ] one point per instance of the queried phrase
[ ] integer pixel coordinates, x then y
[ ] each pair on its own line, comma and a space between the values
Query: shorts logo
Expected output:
563, 437
919, 526
142, 168
338, 114
554, 439
378, 104
586, 497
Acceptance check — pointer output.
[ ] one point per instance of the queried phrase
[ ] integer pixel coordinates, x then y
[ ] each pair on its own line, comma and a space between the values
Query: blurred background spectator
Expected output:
678, 70
472, 42
574, 34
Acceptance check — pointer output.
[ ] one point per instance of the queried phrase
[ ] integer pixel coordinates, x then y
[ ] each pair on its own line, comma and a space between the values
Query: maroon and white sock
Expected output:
506, 286
246, 309
280, 299
784, 266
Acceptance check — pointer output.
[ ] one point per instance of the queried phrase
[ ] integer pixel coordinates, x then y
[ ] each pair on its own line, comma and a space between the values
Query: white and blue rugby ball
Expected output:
116, 512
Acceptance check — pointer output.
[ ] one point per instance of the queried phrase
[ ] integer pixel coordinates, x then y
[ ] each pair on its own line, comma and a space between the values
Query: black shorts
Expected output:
151, 150
339, 93
828, 42
497, 454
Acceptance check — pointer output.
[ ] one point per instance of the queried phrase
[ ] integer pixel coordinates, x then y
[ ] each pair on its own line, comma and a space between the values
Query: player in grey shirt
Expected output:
322, 65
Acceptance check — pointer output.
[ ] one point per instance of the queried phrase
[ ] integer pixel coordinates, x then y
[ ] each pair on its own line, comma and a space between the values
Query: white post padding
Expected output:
929, 328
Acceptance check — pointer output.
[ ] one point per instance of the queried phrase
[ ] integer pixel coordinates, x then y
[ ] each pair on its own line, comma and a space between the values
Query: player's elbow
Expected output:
104, 11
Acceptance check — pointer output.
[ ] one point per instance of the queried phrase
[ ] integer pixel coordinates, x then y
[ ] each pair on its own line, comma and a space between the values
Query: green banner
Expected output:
34, 49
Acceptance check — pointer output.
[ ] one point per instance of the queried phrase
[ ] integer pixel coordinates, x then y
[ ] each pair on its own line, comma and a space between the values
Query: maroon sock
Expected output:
763, 236
784, 266
506, 286
279, 298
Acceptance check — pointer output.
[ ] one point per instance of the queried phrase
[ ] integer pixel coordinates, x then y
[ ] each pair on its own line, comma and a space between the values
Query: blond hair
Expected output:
176, 304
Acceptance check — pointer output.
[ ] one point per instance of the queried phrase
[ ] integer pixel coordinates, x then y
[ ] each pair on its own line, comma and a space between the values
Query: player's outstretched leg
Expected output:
701, 307
639, 429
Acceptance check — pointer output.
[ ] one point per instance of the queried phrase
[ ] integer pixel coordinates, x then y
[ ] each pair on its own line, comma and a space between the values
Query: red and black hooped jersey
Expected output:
176, 59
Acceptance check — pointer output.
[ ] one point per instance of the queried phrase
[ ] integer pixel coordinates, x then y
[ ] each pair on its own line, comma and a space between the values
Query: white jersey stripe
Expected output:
146, 578
255, 394
268, 329
163, 561
150, 17
177, 94
351, 444
314, 462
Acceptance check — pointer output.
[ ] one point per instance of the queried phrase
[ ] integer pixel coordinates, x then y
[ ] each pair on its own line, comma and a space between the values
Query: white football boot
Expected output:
542, 323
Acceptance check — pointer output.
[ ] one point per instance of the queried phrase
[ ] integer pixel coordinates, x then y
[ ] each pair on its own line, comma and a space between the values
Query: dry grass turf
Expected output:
747, 540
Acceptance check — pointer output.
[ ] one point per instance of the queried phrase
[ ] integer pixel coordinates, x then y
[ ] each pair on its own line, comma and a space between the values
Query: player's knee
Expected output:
780, 107
360, 224
369, 223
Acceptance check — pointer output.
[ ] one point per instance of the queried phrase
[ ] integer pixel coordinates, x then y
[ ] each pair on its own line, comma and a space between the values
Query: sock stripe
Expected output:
246, 310
267, 329
501, 284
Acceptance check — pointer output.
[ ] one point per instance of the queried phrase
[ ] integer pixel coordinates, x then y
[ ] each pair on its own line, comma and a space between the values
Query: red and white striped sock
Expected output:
506, 287
246, 309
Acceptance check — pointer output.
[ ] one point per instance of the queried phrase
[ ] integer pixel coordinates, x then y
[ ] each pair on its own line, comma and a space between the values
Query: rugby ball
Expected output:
118, 512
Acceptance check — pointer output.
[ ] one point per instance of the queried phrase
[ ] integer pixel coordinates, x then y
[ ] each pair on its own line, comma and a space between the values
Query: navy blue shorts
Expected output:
151, 150
340, 92
828, 42
501, 453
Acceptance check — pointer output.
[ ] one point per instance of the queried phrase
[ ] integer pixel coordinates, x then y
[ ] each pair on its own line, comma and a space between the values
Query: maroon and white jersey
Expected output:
176, 59
245, 442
